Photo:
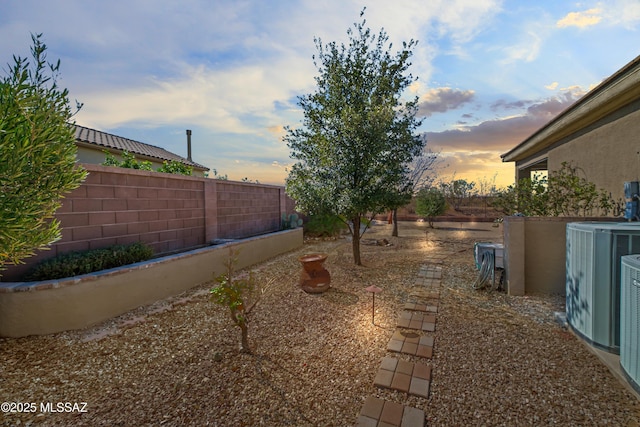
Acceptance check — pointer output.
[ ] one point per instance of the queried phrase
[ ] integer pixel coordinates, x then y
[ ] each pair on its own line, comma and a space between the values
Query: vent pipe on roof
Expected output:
189, 145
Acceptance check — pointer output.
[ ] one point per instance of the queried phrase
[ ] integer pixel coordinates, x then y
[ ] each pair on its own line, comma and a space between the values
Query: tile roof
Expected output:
107, 140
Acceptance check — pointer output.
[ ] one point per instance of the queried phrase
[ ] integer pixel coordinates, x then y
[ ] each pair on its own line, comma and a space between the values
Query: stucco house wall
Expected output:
598, 134
607, 153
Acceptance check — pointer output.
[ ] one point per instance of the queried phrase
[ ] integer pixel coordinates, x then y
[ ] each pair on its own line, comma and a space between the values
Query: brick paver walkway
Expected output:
378, 412
419, 316
411, 343
417, 320
401, 375
433, 308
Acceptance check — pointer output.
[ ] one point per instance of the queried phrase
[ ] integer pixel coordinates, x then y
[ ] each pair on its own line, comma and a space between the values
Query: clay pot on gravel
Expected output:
314, 278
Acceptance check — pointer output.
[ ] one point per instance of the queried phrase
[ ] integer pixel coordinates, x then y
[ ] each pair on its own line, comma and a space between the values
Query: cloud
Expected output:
527, 49
443, 99
502, 104
584, 19
552, 86
503, 134
625, 13
230, 101
472, 165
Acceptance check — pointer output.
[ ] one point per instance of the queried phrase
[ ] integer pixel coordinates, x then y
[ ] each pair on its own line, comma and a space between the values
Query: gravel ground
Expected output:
498, 360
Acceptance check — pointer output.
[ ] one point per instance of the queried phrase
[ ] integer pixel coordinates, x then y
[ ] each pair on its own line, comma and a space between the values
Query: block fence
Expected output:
166, 211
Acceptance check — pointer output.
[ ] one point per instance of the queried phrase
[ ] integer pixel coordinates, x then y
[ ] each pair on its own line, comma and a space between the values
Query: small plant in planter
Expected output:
233, 292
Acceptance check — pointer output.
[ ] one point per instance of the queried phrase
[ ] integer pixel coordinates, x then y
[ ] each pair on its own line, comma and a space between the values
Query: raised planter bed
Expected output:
38, 308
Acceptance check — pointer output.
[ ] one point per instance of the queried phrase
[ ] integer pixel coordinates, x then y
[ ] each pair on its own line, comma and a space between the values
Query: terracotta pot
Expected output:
314, 278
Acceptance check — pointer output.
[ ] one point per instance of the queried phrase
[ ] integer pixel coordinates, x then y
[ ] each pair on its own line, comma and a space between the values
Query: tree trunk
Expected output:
394, 233
356, 240
241, 321
244, 343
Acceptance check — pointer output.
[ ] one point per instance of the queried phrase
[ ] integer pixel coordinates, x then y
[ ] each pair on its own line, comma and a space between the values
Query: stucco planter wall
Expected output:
37, 308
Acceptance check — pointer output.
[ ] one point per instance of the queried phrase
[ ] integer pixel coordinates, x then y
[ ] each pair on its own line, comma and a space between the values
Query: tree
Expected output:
430, 202
421, 174
358, 135
458, 191
37, 155
234, 292
231, 292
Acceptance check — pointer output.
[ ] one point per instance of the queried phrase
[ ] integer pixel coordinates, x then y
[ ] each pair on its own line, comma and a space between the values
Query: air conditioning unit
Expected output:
630, 319
593, 267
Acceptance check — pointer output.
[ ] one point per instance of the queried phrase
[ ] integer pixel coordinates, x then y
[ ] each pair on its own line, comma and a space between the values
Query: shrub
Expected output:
84, 262
175, 167
430, 202
129, 161
563, 193
37, 155
232, 292
324, 225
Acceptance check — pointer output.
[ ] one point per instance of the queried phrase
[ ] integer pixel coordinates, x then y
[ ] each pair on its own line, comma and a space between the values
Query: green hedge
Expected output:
78, 263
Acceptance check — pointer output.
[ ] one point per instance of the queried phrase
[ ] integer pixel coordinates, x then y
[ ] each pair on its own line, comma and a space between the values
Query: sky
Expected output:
489, 72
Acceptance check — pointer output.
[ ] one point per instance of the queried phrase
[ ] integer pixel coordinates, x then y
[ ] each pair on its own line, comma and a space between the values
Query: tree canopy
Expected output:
357, 138
37, 155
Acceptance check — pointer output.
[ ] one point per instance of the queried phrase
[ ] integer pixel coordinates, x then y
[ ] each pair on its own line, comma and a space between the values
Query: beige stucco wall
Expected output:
39, 308
535, 253
609, 154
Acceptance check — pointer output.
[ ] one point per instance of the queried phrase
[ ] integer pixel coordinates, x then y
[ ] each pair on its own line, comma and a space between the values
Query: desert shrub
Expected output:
563, 193
37, 154
430, 202
175, 167
128, 161
324, 225
84, 262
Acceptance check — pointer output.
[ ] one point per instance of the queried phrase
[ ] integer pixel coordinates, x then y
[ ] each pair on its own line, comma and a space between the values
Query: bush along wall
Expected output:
84, 262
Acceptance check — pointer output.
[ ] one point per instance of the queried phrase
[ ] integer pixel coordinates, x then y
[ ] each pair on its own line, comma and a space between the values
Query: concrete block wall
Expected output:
247, 209
120, 206
168, 212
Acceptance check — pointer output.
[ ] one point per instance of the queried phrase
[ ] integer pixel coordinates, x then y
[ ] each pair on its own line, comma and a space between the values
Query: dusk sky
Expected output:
490, 72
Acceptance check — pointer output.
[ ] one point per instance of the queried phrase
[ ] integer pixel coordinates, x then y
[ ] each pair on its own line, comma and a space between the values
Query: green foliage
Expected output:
231, 292
175, 167
529, 197
357, 136
324, 225
430, 202
37, 155
457, 191
84, 262
128, 161
291, 221
564, 193
573, 195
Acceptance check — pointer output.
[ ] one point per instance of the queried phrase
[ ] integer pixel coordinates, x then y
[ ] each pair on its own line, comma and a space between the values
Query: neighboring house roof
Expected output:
103, 140
617, 91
